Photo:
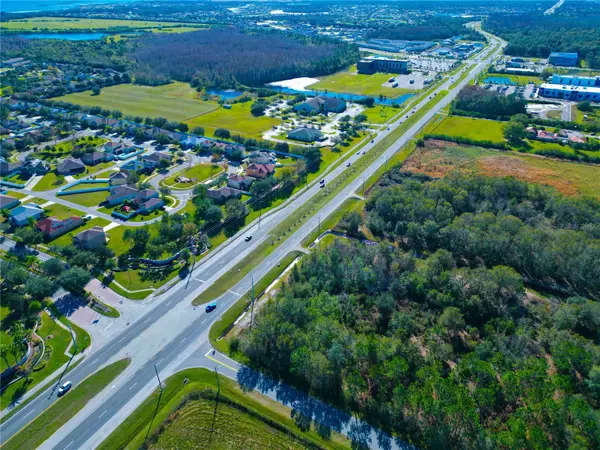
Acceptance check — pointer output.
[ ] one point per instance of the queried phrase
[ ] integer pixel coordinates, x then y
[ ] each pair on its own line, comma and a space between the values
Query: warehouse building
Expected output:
573, 80
372, 65
563, 59
573, 93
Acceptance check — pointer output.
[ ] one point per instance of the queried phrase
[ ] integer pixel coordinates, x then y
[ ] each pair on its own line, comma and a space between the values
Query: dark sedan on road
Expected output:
210, 307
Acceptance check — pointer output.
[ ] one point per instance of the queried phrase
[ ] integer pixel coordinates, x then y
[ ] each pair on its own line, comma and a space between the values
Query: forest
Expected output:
428, 29
229, 57
538, 35
439, 338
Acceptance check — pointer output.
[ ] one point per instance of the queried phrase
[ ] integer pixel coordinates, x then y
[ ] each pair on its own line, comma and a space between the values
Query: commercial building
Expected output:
372, 65
573, 93
573, 80
563, 59
321, 104
305, 134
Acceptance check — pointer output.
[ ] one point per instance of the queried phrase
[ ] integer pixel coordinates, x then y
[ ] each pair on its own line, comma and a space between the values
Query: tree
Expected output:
584, 106
258, 108
4, 352
198, 131
28, 236
74, 280
38, 287
53, 267
96, 90
222, 133
162, 139
451, 320
19, 335
351, 222
213, 215
514, 132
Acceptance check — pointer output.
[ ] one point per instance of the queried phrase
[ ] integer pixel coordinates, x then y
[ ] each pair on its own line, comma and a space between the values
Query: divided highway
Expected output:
172, 325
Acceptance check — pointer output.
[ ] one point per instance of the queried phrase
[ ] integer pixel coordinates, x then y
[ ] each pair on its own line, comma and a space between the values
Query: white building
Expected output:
568, 92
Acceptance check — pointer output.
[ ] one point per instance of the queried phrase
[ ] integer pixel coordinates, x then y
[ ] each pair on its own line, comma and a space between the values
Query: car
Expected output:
87, 217
323, 179
348, 165
372, 141
322, 186
248, 238
64, 388
211, 306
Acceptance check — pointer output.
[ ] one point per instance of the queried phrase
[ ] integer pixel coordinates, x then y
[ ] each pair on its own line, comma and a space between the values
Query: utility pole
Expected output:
218, 384
319, 225
363, 187
158, 378
252, 304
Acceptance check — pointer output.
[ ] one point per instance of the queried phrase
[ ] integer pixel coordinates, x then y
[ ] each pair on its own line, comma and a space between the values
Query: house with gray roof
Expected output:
321, 104
70, 166
8, 202
90, 239
305, 134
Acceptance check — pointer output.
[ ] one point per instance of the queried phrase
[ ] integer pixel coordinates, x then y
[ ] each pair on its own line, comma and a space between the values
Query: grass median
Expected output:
47, 423
154, 412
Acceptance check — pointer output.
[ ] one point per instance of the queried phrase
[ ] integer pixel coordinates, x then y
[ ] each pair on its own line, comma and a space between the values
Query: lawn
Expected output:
16, 194
478, 129
380, 114
62, 211
351, 82
238, 120
56, 338
17, 178
175, 101
48, 182
593, 116
87, 186
234, 427
521, 80
47, 423
62, 23
88, 199
133, 280
197, 173
567, 177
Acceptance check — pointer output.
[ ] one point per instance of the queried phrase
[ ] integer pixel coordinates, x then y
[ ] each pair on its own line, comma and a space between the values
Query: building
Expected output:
90, 239
223, 194
8, 202
153, 160
120, 194
70, 166
239, 182
321, 105
372, 65
573, 80
117, 178
53, 227
35, 167
260, 170
8, 168
563, 59
566, 92
93, 158
260, 158
305, 134
147, 206
20, 216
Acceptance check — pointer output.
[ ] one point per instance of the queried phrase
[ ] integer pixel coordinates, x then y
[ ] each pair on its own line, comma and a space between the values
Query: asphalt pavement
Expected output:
172, 326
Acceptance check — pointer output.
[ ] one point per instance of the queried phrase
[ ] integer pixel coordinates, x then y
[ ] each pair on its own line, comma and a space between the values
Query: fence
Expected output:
64, 191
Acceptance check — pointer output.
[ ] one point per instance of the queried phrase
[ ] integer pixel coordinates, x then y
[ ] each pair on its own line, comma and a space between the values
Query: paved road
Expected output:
172, 324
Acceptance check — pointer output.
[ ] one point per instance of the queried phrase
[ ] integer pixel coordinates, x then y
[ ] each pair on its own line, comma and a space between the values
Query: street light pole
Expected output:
158, 378
252, 304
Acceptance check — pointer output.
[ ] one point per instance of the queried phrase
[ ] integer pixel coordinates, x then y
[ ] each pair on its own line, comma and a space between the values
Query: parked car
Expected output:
210, 307
64, 388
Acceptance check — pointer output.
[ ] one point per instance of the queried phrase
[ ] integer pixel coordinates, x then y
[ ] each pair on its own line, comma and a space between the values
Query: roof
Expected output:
564, 55
89, 234
239, 178
94, 156
116, 175
69, 164
304, 133
151, 203
6, 200
24, 212
52, 224
156, 156
223, 192
571, 87
267, 168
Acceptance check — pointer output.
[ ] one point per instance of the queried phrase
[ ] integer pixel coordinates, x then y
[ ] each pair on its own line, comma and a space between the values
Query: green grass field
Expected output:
567, 177
578, 116
350, 81
67, 239
48, 182
88, 198
69, 24
479, 129
234, 427
62, 211
40, 429
175, 101
197, 173
238, 120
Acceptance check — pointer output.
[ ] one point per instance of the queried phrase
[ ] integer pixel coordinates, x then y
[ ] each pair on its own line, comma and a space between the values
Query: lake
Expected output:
65, 36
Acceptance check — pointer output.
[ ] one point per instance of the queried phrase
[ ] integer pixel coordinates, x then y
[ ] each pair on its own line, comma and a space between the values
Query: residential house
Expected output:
223, 194
153, 159
35, 167
53, 227
70, 166
90, 239
239, 182
117, 178
20, 215
93, 158
260, 170
321, 105
8, 168
8, 202
119, 194
260, 158
305, 134
149, 205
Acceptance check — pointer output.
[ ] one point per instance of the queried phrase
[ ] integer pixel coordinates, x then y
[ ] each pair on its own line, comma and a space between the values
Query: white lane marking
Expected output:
109, 325
68, 445
94, 361
159, 361
105, 411
133, 385
30, 412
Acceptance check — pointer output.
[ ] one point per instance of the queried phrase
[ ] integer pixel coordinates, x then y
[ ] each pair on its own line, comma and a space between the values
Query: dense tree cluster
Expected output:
538, 35
551, 240
448, 349
428, 29
479, 102
229, 57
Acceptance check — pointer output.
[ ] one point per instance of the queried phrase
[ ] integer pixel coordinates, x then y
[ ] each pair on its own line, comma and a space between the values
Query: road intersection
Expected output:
173, 329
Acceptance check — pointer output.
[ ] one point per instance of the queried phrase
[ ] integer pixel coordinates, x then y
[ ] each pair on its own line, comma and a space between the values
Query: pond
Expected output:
65, 36
224, 94
499, 80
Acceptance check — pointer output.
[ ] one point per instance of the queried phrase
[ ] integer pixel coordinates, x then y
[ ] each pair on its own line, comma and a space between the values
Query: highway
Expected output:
172, 326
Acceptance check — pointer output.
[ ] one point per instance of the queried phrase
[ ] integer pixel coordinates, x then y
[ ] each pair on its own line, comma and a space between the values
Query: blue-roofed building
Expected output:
563, 59
20, 215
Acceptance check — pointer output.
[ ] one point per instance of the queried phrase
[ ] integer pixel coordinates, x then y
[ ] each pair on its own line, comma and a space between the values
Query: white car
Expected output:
63, 389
